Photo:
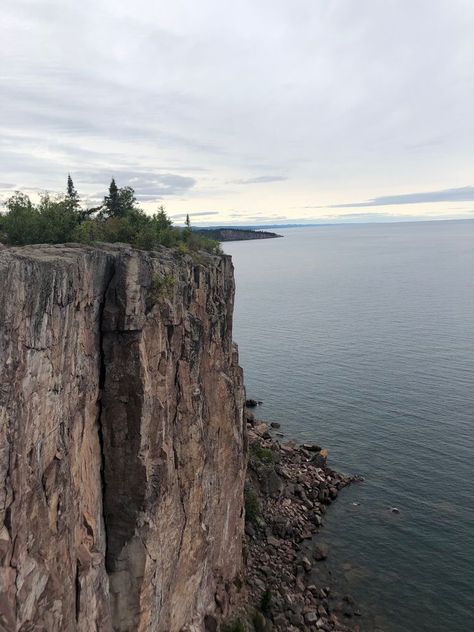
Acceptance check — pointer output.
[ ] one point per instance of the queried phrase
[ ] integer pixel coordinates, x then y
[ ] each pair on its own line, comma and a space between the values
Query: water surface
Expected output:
361, 337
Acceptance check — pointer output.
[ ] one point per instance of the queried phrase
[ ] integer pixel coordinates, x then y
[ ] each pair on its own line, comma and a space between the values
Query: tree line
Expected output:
62, 218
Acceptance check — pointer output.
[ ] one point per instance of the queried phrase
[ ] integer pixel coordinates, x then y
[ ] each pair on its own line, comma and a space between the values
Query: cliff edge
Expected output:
122, 443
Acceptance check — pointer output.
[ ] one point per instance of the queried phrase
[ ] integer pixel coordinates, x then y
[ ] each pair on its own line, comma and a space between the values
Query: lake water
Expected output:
361, 337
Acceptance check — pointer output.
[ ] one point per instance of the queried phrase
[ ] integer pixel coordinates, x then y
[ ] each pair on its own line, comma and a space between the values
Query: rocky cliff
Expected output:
122, 447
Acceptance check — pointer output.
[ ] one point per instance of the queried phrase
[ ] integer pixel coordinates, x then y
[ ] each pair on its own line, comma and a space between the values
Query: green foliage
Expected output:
51, 221
59, 219
72, 197
258, 620
266, 601
252, 506
262, 454
161, 285
235, 626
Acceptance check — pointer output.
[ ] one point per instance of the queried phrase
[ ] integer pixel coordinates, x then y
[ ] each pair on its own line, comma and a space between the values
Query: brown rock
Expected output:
121, 434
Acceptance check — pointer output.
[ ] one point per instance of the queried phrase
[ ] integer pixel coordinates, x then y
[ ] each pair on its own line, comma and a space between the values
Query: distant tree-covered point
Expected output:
62, 218
236, 234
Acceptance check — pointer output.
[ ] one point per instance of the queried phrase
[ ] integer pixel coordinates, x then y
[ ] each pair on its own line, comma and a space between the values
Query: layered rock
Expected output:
122, 455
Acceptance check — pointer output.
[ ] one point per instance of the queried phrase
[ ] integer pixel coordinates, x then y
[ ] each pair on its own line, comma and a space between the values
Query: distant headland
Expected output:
235, 234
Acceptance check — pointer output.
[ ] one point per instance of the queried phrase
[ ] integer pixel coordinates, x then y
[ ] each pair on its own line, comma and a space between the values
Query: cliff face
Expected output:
122, 450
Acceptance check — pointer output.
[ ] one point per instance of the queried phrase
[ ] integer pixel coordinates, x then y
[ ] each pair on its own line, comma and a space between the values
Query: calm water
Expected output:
361, 337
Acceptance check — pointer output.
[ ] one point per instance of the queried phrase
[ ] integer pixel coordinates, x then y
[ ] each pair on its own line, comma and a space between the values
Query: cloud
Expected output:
160, 185
196, 214
148, 186
207, 91
461, 194
260, 180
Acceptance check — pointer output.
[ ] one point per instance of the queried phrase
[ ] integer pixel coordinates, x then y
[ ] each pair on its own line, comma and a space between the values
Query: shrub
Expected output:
262, 454
161, 286
234, 626
252, 506
258, 620
266, 601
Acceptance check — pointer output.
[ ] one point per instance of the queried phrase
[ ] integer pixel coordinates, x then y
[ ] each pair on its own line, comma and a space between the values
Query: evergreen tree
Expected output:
112, 201
119, 202
127, 200
161, 220
187, 231
72, 197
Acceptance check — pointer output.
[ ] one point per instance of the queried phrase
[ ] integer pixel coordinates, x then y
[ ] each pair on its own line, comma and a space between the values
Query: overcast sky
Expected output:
245, 111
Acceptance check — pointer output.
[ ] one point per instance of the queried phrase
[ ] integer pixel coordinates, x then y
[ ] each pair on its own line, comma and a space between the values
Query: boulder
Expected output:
320, 552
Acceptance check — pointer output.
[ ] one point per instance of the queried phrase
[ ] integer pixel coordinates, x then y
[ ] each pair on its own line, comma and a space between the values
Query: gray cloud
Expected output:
461, 194
260, 180
148, 186
195, 214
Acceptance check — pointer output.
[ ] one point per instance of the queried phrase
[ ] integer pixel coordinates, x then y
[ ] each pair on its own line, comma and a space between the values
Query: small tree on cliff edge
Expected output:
187, 229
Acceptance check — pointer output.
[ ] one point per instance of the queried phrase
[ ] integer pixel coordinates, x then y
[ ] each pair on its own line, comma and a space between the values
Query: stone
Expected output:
320, 552
252, 403
312, 447
250, 529
280, 621
210, 623
311, 617
306, 564
275, 424
250, 417
261, 428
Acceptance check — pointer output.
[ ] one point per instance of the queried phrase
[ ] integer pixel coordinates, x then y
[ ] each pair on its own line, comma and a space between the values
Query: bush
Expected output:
266, 601
252, 506
161, 286
262, 454
235, 626
259, 623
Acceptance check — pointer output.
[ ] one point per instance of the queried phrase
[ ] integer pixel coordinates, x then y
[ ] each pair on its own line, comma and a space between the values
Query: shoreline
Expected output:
288, 490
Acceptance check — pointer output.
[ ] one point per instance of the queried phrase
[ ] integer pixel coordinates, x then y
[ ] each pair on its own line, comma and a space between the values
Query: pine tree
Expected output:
112, 201
188, 221
119, 202
72, 197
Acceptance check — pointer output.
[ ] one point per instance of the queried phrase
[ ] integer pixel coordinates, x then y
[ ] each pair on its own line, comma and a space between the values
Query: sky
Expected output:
248, 112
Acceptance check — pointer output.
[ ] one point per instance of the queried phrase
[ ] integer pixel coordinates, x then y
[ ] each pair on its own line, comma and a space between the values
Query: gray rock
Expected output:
320, 552
311, 617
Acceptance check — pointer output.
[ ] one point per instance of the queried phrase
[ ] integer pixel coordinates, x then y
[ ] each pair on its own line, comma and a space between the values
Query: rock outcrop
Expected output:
122, 443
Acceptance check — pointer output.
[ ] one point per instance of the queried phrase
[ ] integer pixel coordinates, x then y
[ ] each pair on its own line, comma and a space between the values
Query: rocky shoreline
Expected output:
288, 490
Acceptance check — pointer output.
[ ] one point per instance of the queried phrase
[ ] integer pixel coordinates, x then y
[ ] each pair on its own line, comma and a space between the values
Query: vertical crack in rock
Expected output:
78, 591
102, 374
